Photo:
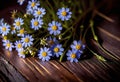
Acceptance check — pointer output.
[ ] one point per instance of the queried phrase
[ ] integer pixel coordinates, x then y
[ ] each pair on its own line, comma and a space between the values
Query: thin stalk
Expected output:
61, 57
97, 56
85, 33
96, 39
107, 52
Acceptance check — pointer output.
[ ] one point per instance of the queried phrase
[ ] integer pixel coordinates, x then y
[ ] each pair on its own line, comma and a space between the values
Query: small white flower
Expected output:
4, 29
18, 22
21, 32
32, 6
39, 12
8, 45
44, 54
36, 23
27, 40
64, 14
18, 45
21, 53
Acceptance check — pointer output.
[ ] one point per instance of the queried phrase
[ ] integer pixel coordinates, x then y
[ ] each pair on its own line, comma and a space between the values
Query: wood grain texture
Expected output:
89, 70
86, 70
10, 72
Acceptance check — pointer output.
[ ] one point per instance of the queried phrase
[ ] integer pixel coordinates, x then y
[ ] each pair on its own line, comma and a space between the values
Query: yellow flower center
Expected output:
19, 45
18, 23
32, 4
39, 12
56, 49
4, 29
73, 56
8, 45
54, 27
64, 13
44, 54
78, 47
36, 23
12, 28
5, 37
22, 31
26, 40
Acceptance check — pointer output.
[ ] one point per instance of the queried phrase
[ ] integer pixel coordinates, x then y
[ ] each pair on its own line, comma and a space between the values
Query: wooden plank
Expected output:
59, 72
88, 70
112, 28
3, 78
34, 69
110, 42
11, 74
53, 70
20, 66
97, 70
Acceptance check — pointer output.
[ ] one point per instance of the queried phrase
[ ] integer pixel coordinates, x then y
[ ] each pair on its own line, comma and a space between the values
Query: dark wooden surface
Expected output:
87, 70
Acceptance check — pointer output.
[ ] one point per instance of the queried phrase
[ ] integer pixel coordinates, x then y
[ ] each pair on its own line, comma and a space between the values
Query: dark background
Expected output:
108, 4
7, 3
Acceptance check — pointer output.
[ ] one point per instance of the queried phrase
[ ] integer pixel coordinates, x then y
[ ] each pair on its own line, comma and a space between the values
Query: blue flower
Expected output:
1, 21
5, 38
57, 50
18, 45
73, 55
27, 40
36, 23
18, 22
78, 45
21, 32
8, 45
33, 4
39, 12
64, 14
4, 29
20, 2
54, 28
52, 41
30, 11
21, 53
44, 54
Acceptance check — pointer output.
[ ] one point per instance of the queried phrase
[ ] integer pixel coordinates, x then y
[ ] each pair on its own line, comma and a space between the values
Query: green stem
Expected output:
66, 31
84, 35
38, 39
105, 51
92, 29
98, 56
61, 57
96, 39
51, 9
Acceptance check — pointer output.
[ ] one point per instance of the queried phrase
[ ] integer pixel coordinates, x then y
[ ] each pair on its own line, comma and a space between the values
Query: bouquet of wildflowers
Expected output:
48, 29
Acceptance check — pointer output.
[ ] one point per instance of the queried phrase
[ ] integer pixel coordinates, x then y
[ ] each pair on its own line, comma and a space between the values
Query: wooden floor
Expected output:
87, 70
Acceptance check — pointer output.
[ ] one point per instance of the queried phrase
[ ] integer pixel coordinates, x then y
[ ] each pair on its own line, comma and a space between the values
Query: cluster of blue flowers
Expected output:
53, 47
